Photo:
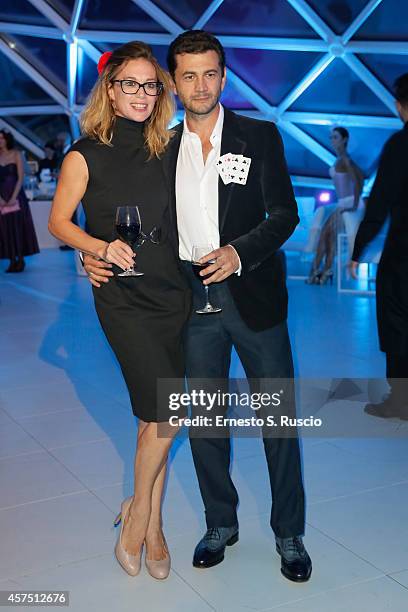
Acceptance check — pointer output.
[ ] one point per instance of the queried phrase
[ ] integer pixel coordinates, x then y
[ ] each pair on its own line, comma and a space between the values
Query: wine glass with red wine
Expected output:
200, 251
129, 228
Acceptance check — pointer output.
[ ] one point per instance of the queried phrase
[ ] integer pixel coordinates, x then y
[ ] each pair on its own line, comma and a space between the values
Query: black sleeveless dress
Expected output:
17, 233
142, 317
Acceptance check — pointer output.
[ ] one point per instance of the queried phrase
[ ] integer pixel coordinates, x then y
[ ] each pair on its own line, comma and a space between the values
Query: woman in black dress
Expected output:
17, 233
117, 163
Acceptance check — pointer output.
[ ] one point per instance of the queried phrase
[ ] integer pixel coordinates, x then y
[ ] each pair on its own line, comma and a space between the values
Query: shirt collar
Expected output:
216, 134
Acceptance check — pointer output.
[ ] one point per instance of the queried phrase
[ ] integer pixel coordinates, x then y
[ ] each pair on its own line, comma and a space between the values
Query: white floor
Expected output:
66, 449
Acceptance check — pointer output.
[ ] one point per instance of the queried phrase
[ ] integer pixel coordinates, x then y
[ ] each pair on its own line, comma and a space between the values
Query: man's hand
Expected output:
98, 271
227, 262
353, 268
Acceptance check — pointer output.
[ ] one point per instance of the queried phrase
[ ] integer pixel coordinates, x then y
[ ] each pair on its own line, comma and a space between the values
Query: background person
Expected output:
348, 181
389, 198
17, 233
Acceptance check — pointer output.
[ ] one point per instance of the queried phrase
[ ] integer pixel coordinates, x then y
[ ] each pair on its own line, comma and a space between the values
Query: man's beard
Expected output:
201, 109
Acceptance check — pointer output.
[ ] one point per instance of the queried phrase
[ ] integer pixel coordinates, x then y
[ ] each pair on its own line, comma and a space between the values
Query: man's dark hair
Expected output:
9, 138
401, 89
342, 131
194, 41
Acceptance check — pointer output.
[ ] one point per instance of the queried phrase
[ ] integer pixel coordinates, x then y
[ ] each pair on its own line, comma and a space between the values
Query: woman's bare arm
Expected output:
358, 180
71, 188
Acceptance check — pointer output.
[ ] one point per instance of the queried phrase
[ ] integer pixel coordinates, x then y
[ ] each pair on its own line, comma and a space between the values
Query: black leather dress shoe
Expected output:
296, 564
210, 550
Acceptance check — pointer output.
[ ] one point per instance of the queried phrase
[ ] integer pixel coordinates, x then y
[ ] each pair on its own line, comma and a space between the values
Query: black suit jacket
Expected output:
256, 218
389, 197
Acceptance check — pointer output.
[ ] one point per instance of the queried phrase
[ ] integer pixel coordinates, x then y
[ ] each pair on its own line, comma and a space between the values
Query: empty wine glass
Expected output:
200, 251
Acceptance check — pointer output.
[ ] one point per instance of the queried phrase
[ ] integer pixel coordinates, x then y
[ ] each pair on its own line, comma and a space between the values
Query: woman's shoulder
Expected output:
84, 145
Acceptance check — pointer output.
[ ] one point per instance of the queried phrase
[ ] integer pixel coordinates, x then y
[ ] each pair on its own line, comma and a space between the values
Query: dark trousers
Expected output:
266, 354
397, 376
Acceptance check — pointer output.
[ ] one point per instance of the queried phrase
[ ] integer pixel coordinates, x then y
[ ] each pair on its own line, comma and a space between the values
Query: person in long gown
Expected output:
119, 162
17, 233
348, 181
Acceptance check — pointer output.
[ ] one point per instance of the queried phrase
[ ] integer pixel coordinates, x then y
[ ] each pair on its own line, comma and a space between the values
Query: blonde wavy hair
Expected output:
98, 116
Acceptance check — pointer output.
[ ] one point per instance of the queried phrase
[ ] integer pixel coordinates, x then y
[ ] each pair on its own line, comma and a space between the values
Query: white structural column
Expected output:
46, 109
25, 29
72, 67
72, 64
68, 31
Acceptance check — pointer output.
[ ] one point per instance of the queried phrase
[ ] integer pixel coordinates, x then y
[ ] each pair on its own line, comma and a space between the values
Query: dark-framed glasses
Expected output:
129, 86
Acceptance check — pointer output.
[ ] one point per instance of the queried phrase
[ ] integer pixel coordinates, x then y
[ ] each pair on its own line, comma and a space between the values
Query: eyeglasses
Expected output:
151, 88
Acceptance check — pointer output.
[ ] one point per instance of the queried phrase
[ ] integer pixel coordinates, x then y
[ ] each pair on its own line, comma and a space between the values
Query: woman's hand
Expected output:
353, 269
119, 253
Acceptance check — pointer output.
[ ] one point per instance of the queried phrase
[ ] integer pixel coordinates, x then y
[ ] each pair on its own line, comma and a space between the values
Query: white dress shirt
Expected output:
197, 190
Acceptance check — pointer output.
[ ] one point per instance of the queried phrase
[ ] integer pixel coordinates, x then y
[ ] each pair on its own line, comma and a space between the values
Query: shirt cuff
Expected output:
238, 272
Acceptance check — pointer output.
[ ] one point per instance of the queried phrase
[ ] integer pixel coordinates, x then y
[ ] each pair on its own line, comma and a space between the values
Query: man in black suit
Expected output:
247, 224
389, 198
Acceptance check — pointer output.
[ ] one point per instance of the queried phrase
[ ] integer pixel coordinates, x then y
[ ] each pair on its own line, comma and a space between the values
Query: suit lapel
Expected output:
230, 143
169, 167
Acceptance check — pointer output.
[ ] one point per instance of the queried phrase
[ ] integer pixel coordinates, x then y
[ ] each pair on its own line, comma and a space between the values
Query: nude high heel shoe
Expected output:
159, 569
130, 563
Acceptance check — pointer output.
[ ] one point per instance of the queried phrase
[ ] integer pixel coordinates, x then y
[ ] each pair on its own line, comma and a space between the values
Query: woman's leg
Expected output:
321, 251
331, 241
12, 266
150, 458
155, 543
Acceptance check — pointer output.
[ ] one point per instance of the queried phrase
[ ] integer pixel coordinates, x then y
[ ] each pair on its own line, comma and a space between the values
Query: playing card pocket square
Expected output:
233, 168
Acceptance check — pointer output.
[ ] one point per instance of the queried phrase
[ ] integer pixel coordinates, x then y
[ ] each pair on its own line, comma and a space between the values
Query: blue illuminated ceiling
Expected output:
307, 65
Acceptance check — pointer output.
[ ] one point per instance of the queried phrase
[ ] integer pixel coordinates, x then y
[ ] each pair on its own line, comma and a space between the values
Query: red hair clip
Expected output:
103, 60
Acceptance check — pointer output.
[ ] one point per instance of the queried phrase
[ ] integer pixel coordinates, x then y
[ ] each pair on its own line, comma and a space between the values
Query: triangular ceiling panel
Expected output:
21, 11
386, 67
48, 56
17, 88
388, 22
302, 161
40, 128
63, 7
338, 14
339, 90
259, 18
185, 12
121, 15
271, 73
